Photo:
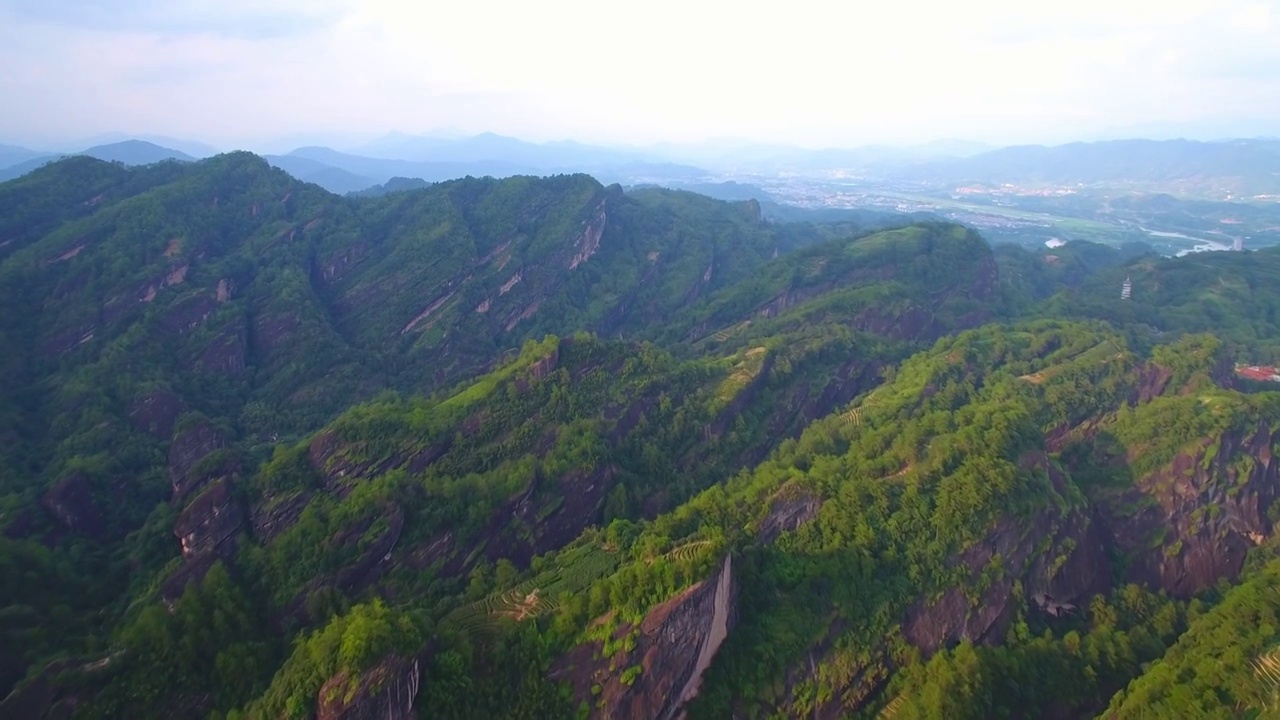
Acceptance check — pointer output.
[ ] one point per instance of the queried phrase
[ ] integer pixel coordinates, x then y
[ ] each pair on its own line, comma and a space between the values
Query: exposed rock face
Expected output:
274, 515
376, 552
1074, 568
335, 267
1152, 381
188, 314
1059, 558
589, 241
373, 558
340, 463
582, 492
70, 501
49, 696
1209, 512
384, 692
791, 507
65, 341
189, 447
716, 428
542, 368
192, 571
157, 412
226, 353
209, 521
677, 641
852, 379
271, 332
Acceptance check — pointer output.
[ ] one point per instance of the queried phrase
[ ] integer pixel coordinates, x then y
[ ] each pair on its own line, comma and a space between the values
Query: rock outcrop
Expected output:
70, 501
1058, 556
191, 445
580, 494
372, 551
791, 507
1072, 567
212, 515
157, 412
675, 644
227, 353
341, 463
589, 241
385, 691
1192, 522
209, 521
275, 514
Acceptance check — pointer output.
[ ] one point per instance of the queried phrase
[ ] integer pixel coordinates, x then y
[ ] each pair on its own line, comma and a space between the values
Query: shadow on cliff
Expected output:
1098, 464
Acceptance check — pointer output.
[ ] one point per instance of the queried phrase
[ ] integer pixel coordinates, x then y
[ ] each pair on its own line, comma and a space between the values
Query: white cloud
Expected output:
804, 71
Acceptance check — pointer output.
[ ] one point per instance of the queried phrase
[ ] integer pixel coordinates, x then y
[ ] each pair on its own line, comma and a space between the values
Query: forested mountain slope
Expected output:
539, 448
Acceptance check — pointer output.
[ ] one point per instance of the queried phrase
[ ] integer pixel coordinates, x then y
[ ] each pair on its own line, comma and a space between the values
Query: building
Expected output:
1126, 289
1262, 373
1238, 245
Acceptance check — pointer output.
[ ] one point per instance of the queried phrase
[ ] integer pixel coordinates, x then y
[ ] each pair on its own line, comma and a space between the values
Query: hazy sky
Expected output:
241, 72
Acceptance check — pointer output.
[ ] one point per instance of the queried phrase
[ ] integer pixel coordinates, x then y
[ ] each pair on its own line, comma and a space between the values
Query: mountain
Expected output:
190, 147
747, 156
395, 184
498, 166
22, 168
333, 179
544, 448
135, 152
1237, 166
490, 147
129, 152
382, 170
730, 190
11, 155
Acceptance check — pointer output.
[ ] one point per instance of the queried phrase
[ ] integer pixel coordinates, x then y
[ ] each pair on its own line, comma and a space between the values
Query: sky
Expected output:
258, 73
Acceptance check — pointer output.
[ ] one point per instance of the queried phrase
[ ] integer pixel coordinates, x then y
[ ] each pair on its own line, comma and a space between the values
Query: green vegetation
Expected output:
1076, 669
1223, 667
511, 430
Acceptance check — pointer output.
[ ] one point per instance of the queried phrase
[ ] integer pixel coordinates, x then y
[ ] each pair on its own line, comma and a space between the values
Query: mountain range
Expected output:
547, 448
1243, 168
1252, 166
16, 162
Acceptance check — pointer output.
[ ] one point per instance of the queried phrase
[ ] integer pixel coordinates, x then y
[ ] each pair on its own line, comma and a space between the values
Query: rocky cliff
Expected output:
1057, 554
71, 502
209, 521
673, 646
384, 692
1190, 523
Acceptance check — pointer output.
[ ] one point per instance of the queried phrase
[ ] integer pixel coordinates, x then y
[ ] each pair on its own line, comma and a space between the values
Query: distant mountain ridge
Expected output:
489, 147
195, 149
135, 152
12, 155
1226, 169
129, 152
1247, 165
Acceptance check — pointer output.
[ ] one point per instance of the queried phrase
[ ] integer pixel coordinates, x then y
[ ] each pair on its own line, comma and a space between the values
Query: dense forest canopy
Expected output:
543, 448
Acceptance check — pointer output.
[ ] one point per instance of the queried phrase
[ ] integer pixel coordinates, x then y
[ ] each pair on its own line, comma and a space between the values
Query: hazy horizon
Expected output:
356, 144
267, 75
